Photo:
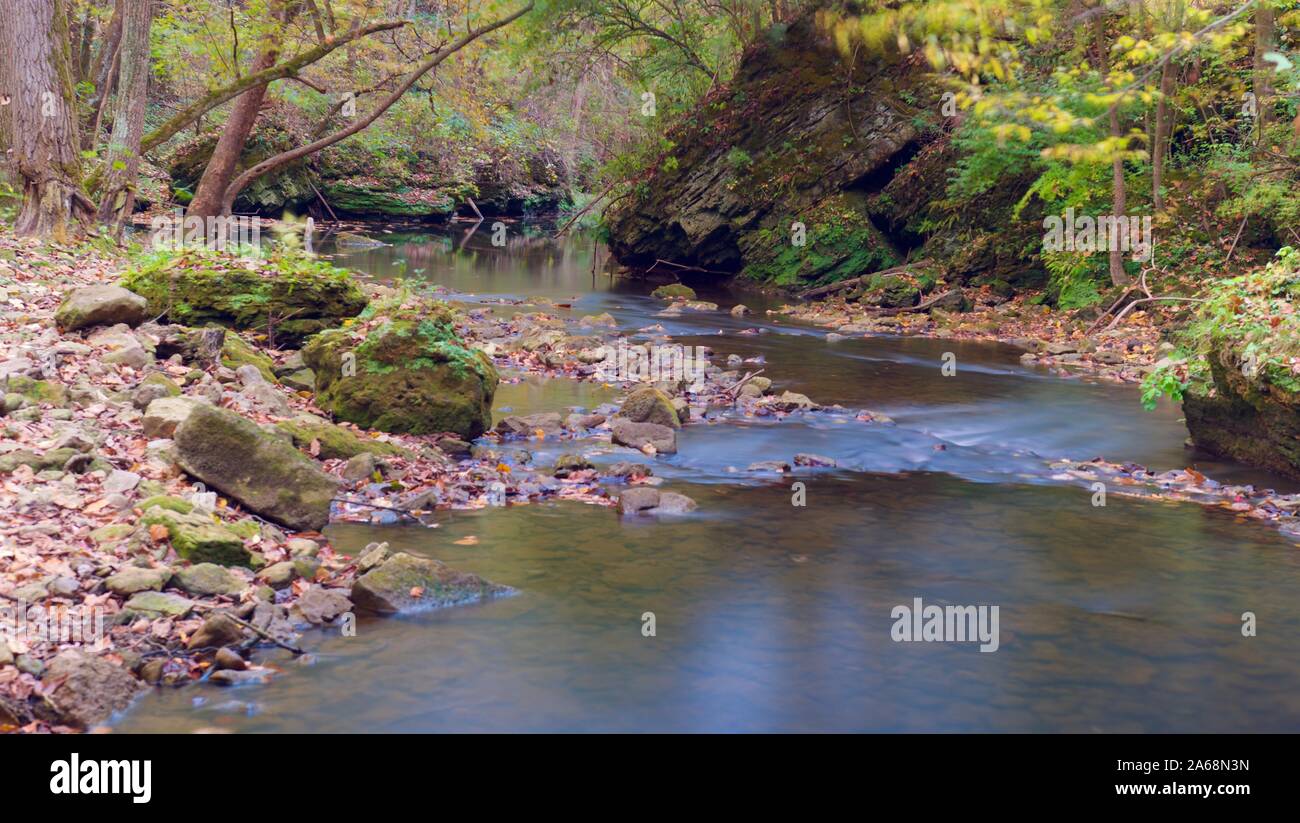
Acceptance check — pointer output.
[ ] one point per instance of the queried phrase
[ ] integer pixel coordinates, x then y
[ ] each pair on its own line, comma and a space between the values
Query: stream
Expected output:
771, 616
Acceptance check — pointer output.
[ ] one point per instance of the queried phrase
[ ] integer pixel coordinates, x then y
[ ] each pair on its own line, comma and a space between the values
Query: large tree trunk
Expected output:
283, 158
122, 164
45, 124
234, 135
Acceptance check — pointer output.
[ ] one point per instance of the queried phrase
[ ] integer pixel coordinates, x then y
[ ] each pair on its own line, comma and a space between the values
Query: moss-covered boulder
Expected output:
334, 442
405, 582
199, 537
290, 296
672, 291
647, 404
410, 373
264, 473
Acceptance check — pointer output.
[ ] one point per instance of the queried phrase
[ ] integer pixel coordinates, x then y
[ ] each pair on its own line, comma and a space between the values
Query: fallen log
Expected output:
918, 307
832, 288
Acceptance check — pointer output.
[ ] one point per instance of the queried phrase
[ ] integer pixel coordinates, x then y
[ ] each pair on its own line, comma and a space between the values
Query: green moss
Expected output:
168, 503
288, 294
39, 391
235, 353
412, 374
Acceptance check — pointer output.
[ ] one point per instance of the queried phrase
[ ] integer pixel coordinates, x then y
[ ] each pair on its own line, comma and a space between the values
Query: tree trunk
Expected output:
293, 65
1118, 275
105, 72
44, 120
8, 174
1265, 42
225, 157
122, 164
1160, 140
286, 157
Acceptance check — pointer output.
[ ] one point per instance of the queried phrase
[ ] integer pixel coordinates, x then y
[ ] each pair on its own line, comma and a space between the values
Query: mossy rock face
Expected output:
412, 374
294, 300
1250, 420
261, 471
336, 442
167, 502
198, 537
356, 197
776, 147
53, 459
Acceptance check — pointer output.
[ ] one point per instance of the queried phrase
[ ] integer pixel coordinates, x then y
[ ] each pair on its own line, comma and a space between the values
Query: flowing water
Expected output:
771, 616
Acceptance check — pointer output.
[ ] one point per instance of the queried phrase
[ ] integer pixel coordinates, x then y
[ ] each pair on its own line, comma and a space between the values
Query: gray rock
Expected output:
209, 579
87, 690
638, 435
268, 476
550, 423
218, 630
673, 503
405, 582
100, 306
361, 467
157, 604
133, 580
320, 605
637, 499
814, 460
120, 482
164, 415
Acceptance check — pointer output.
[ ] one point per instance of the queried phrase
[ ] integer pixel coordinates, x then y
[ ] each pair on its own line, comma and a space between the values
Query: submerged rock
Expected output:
548, 423
639, 435
268, 476
404, 582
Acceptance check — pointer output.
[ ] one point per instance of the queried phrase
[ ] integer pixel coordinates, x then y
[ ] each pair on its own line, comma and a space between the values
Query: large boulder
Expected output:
405, 582
86, 690
101, 306
261, 471
289, 298
410, 374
